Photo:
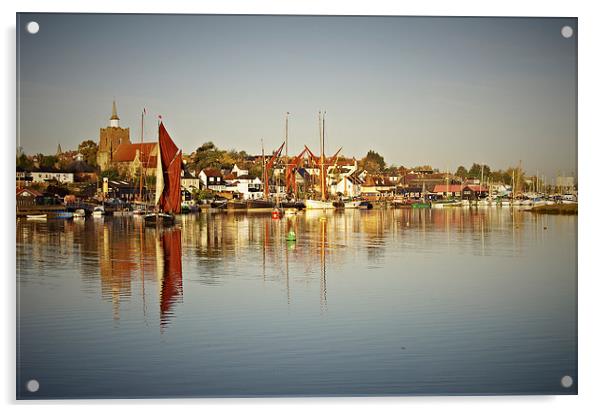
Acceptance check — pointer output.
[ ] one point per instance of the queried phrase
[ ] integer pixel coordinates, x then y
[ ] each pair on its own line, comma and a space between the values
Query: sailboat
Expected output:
168, 199
322, 203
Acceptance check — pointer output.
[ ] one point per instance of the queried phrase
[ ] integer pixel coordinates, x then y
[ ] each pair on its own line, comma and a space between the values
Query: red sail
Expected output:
171, 159
171, 288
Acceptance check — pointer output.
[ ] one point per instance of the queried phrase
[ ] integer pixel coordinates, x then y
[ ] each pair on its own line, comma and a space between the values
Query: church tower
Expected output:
114, 118
110, 138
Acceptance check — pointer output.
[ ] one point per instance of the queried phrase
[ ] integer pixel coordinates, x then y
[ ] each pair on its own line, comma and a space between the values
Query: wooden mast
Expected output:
322, 171
141, 154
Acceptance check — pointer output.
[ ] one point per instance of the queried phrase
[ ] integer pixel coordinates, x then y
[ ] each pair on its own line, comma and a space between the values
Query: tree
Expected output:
475, 171
89, 149
47, 161
461, 172
24, 162
373, 162
111, 173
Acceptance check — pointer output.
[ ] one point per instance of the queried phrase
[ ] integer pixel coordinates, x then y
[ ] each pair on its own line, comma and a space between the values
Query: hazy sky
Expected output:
439, 91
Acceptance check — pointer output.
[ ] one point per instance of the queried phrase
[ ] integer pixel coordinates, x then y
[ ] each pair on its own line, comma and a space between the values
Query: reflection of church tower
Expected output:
110, 138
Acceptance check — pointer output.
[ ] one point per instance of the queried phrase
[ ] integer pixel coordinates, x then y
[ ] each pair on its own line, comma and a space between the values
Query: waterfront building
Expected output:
188, 181
49, 176
213, 179
27, 197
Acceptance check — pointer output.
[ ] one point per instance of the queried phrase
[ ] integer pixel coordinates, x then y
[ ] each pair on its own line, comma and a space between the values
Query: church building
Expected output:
115, 150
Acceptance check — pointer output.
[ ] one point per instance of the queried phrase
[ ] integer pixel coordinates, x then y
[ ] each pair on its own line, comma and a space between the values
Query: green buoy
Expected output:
291, 236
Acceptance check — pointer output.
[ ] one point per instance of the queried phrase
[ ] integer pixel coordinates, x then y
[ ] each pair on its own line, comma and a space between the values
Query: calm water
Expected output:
377, 302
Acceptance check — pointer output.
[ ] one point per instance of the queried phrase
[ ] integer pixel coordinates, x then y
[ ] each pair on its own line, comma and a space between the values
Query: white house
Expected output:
248, 187
62, 177
213, 179
238, 171
189, 181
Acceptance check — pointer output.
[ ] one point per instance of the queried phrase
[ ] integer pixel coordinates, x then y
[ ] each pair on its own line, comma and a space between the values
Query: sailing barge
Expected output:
168, 198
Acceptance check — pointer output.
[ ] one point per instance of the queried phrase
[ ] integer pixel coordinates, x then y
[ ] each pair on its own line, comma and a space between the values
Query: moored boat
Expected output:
366, 205
159, 219
98, 211
79, 213
317, 204
352, 204
38, 216
168, 198
260, 204
64, 215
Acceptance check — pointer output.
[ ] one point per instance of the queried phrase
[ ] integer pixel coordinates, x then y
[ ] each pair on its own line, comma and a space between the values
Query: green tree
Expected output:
89, 149
373, 162
461, 172
111, 173
47, 161
475, 171
24, 162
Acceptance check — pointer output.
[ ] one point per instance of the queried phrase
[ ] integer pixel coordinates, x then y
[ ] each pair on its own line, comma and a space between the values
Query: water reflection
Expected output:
121, 250
483, 298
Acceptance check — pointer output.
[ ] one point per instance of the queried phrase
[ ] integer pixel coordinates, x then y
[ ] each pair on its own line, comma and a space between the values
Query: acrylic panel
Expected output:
254, 205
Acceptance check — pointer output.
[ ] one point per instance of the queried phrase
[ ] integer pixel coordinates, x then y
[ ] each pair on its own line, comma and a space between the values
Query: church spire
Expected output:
114, 117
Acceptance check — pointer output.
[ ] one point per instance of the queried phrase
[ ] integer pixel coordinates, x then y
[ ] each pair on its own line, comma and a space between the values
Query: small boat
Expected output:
276, 213
185, 209
38, 216
159, 219
219, 204
64, 215
366, 205
316, 204
352, 204
79, 213
98, 211
446, 203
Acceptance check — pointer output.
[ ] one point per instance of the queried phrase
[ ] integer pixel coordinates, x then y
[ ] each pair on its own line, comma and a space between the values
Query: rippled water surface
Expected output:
373, 302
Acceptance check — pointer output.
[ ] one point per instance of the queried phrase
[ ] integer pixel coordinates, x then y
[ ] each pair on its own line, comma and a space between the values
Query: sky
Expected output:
418, 90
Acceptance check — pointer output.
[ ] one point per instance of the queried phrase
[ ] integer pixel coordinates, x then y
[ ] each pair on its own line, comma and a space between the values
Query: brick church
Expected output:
115, 150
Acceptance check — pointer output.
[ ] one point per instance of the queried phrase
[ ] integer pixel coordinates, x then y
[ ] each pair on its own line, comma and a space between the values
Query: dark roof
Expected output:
79, 167
212, 172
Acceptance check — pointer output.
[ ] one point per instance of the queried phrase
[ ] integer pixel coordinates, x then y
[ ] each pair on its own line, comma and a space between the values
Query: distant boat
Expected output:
98, 211
260, 204
64, 215
446, 203
352, 204
168, 198
366, 205
79, 213
317, 204
38, 216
